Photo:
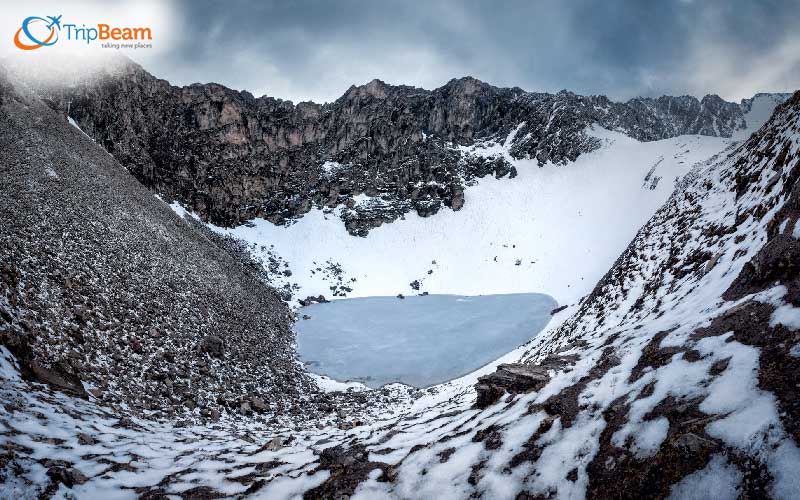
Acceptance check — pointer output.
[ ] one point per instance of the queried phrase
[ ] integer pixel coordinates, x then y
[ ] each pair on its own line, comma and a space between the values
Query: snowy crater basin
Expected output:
418, 340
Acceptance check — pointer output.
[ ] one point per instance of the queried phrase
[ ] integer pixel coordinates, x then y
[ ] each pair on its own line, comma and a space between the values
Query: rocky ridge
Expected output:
230, 157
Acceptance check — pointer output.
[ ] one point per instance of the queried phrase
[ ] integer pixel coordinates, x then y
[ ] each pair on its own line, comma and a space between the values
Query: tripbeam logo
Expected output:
52, 25
37, 32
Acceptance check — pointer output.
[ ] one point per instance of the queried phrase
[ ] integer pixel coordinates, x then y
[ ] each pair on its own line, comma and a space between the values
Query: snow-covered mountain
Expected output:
671, 372
676, 376
231, 157
549, 229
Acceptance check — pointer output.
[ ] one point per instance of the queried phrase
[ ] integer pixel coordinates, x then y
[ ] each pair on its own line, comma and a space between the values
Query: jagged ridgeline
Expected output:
231, 157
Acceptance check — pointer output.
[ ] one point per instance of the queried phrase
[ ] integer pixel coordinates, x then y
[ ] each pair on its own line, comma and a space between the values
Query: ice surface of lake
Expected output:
419, 340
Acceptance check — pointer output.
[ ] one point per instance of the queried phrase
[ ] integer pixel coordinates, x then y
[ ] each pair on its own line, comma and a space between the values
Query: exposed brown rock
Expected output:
348, 468
514, 378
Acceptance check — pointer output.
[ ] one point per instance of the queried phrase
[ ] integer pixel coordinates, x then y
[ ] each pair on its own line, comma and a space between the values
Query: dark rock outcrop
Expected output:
213, 346
348, 468
513, 378
69, 477
518, 378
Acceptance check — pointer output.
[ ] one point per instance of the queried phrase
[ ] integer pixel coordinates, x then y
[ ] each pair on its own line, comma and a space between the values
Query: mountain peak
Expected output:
374, 88
467, 85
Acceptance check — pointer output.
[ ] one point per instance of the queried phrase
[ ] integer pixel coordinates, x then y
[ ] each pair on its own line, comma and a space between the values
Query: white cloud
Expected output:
718, 68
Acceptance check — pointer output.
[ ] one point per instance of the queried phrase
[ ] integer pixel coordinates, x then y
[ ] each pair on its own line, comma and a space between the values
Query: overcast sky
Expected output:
314, 50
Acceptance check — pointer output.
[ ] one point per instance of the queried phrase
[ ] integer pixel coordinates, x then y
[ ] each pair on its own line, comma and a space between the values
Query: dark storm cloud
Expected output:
316, 49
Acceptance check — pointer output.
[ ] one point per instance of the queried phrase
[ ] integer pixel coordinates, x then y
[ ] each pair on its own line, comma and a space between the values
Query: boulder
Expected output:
59, 376
67, 476
213, 346
258, 404
514, 378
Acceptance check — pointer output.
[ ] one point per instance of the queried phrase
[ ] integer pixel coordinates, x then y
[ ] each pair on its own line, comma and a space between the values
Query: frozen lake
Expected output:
419, 340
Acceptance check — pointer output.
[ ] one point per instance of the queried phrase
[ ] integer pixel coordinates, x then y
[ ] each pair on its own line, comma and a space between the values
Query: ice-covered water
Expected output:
419, 340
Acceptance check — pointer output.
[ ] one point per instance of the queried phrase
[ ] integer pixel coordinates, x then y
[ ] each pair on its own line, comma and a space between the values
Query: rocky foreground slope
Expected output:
231, 157
677, 375
102, 283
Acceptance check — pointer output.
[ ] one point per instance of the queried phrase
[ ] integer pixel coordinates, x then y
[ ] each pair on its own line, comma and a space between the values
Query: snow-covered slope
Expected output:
758, 110
552, 229
677, 374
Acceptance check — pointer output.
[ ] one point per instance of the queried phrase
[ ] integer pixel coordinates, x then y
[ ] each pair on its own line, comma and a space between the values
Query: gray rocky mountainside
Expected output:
231, 157
102, 283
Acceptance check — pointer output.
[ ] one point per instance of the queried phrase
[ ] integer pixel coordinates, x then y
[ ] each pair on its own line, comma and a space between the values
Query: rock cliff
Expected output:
231, 157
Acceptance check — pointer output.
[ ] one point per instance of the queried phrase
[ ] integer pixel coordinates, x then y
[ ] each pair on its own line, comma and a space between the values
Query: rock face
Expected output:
231, 157
517, 378
102, 284
513, 378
